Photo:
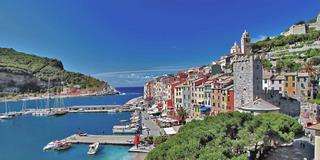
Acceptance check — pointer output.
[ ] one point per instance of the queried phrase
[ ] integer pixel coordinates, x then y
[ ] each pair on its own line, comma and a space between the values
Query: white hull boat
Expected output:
93, 148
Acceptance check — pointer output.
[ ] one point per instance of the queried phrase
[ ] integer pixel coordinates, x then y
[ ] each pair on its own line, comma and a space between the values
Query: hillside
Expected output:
227, 136
31, 73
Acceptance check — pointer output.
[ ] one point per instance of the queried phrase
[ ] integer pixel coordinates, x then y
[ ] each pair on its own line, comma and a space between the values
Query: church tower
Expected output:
235, 49
247, 74
245, 43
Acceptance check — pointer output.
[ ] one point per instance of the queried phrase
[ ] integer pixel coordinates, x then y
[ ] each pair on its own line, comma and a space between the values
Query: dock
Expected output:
102, 139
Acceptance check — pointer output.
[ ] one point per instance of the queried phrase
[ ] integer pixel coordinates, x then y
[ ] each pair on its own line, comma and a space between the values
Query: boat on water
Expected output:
93, 148
57, 145
62, 145
60, 112
7, 114
50, 145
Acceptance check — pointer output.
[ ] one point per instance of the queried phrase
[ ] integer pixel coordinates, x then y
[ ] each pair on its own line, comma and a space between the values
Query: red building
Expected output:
230, 101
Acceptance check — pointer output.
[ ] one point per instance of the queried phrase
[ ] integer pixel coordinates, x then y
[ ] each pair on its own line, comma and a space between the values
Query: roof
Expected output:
259, 105
303, 74
315, 127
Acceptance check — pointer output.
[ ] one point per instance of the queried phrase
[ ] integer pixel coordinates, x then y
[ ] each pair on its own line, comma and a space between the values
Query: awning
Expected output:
169, 131
205, 108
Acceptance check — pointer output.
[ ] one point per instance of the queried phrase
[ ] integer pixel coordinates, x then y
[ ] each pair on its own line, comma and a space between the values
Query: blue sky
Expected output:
126, 42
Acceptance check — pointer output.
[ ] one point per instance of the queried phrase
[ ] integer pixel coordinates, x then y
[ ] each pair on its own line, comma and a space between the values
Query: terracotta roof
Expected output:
315, 127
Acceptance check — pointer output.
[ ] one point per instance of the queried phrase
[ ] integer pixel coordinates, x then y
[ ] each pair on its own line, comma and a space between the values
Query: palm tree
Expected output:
182, 114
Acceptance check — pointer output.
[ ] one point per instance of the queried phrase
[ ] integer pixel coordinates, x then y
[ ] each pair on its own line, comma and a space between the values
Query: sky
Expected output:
126, 42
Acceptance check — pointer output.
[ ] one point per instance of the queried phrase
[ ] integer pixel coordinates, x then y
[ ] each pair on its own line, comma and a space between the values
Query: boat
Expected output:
50, 145
62, 145
93, 148
82, 134
60, 112
6, 115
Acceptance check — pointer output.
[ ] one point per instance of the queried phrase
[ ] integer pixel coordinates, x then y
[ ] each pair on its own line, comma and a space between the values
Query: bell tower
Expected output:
245, 43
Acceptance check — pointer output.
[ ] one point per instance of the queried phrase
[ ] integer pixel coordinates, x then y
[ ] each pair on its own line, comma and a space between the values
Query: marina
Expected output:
41, 130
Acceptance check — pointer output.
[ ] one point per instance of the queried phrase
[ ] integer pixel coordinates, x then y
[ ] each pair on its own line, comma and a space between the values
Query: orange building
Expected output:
289, 87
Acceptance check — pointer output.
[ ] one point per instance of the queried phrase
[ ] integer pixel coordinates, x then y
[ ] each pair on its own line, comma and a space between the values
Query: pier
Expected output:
102, 139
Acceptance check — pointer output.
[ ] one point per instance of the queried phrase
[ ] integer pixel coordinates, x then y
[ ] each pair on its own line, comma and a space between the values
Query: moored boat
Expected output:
93, 148
50, 145
62, 145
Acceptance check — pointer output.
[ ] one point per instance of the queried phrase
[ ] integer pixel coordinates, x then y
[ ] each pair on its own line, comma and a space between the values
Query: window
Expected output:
293, 78
265, 81
272, 81
280, 88
286, 84
280, 81
293, 84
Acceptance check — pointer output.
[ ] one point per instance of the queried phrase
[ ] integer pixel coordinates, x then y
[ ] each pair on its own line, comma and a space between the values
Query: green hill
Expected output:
31, 73
227, 136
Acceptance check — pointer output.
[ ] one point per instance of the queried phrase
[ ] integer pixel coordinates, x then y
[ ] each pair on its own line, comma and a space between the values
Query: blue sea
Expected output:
24, 137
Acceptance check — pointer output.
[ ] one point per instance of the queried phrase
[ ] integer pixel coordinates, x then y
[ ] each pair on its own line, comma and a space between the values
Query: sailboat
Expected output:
46, 111
6, 115
59, 104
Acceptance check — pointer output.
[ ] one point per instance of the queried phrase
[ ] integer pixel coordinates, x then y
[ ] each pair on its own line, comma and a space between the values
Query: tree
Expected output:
227, 136
182, 114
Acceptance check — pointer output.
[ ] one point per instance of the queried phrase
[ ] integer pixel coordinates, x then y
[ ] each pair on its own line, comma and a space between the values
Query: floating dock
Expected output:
102, 139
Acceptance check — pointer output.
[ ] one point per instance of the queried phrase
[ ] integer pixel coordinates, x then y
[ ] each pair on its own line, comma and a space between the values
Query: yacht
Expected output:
6, 115
62, 145
50, 145
93, 148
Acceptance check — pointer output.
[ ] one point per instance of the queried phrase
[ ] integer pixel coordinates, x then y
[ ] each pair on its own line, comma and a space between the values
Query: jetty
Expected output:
102, 139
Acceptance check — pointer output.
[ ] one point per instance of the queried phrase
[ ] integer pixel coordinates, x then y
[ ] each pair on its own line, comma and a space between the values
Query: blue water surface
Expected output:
23, 138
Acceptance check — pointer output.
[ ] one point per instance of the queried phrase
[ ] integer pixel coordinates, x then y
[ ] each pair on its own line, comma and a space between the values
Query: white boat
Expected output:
50, 145
93, 148
7, 114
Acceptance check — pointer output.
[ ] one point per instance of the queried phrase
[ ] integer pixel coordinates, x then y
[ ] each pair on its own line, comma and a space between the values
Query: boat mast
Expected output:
6, 106
48, 98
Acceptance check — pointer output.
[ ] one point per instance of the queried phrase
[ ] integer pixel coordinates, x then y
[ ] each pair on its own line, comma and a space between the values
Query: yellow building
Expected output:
289, 87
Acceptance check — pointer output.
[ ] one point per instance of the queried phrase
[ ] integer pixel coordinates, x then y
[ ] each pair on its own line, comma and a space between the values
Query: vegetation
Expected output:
228, 136
40, 70
266, 64
280, 41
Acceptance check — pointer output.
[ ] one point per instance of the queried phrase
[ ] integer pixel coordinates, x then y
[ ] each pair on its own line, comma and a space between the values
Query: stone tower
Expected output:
247, 74
245, 43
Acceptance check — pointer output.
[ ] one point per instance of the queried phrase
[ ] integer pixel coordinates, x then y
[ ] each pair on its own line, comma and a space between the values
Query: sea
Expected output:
24, 137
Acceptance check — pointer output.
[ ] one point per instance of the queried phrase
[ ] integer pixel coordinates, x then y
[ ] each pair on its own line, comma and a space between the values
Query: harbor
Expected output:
41, 130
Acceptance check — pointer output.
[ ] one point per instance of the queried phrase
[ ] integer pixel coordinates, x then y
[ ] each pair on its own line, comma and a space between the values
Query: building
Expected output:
303, 28
289, 87
273, 82
304, 86
296, 30
315, 25
316, 137
245, 43
235, 49
247, 79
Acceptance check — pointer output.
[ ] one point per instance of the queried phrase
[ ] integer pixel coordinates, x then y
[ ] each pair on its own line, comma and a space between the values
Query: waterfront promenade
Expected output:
154, 129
